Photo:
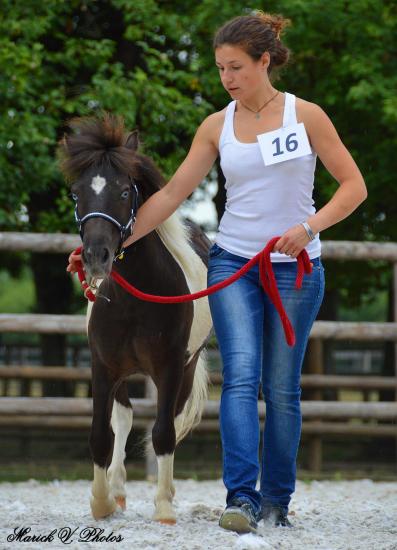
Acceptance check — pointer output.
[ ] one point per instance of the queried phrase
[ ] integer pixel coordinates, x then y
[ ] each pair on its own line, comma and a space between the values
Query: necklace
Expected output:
257, 113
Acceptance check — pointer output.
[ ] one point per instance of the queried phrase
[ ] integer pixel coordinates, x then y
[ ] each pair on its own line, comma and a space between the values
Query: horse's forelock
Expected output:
103, 141
95, 141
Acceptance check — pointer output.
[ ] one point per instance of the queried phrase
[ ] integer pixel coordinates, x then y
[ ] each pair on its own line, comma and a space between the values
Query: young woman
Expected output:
269, 183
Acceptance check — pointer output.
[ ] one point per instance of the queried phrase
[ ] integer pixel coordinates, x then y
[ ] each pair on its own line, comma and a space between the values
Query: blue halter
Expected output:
122, 228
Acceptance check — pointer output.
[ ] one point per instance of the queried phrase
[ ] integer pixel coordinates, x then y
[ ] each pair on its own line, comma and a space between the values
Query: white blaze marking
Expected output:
98, 183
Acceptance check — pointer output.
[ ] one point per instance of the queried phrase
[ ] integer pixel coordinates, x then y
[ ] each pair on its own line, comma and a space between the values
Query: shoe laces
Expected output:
246, 506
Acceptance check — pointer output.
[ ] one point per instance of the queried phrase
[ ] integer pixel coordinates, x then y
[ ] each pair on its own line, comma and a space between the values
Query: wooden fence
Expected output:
371, 419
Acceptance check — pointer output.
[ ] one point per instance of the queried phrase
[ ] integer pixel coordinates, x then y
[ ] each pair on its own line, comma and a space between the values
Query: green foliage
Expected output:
373, 307
344, 59
18, 295
64, 59
152, 61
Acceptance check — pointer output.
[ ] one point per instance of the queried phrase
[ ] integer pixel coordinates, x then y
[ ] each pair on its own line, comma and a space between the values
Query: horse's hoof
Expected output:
167, 521
102, 508
164, 512
120, 501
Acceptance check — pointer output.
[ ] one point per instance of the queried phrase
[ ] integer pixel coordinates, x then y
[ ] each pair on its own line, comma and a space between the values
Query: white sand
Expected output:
326, 516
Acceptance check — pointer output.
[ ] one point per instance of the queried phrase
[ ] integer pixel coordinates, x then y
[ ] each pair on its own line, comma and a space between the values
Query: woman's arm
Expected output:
163, 203
340, 164
191, 172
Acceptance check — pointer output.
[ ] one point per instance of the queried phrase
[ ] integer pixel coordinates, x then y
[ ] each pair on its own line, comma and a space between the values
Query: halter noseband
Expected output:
122, 228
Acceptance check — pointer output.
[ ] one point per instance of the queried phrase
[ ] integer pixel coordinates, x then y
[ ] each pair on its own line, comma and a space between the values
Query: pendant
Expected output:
257, 116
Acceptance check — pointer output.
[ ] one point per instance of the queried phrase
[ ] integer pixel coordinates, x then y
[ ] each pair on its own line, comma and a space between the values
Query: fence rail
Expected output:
310, 428
373, 419
63, 243
81, 374
147, 408
76, 324
75, 413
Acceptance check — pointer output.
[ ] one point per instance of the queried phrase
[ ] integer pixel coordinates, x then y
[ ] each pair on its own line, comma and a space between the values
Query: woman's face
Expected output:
240, 75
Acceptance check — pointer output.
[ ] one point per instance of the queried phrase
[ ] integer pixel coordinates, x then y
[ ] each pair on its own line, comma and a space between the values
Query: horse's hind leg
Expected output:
101, 439
165, 512
121, 424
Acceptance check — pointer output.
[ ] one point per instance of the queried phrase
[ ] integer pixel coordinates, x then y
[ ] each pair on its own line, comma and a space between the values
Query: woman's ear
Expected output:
265, 60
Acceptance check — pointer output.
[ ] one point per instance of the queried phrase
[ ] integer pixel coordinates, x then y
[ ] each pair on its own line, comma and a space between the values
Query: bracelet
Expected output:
308, 230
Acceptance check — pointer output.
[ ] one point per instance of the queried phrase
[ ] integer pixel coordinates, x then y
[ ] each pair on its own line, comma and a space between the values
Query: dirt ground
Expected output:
327, 515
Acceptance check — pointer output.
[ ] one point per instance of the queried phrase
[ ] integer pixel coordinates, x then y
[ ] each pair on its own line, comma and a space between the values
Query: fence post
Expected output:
315, 366
151, 460
394, 319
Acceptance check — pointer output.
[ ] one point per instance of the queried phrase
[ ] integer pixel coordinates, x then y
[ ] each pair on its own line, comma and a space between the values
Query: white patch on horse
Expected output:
191, 413
98, 183
175, 236
90, 305
121, 423
102, 504
165, 489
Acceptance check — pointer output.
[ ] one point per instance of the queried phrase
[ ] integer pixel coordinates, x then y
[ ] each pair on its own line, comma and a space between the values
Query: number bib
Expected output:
286, 143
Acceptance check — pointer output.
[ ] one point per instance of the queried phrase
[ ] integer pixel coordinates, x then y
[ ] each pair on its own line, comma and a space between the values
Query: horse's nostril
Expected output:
87, 253
105, 255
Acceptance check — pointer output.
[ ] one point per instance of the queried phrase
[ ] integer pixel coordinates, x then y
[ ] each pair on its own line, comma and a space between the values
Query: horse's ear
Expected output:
132, 141
64, 142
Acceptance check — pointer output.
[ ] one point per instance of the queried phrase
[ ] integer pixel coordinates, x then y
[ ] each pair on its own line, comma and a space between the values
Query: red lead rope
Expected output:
266, 273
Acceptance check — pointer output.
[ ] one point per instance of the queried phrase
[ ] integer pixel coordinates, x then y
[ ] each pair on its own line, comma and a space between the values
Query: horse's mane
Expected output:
103, 141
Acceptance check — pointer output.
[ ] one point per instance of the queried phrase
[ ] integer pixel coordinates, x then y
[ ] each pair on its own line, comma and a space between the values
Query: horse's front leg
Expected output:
101, 440
164, 441
121, 424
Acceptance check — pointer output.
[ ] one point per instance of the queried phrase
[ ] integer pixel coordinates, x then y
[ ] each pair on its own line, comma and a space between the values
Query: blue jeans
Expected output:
254, 351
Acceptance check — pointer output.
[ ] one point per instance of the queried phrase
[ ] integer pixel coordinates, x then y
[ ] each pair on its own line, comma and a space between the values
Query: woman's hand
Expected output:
292, 242
73, 260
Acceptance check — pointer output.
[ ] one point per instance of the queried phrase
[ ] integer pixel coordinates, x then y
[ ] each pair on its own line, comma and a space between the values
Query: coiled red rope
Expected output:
266, 274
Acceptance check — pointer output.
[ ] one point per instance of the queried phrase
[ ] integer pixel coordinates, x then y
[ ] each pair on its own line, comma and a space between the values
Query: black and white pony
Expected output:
126, 335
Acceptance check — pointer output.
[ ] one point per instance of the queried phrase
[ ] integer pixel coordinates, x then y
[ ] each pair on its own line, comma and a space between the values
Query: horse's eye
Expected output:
74, 196
125, 194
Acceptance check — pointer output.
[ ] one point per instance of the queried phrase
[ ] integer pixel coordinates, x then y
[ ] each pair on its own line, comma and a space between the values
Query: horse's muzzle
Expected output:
97, 260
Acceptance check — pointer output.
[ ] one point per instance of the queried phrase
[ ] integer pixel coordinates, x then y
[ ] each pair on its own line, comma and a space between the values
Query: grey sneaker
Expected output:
275, 513
239, 516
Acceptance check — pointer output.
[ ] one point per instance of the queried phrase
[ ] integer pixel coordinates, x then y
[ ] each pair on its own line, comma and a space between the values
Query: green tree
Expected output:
152, 62
344, 59
64, 59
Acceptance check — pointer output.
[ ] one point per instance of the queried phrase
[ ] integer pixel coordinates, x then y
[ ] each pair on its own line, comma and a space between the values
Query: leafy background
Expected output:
152, 62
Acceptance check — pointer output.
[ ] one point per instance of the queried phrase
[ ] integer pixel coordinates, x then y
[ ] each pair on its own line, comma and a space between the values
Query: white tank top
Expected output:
263, 201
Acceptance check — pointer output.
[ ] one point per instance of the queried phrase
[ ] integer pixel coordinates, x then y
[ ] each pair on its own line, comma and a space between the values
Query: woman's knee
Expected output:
241, 368
282, 399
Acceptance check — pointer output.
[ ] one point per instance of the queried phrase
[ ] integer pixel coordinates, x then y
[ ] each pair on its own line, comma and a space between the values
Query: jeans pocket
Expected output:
317, 265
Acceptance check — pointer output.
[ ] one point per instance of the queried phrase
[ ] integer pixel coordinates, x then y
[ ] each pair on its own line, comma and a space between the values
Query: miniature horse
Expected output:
127, 335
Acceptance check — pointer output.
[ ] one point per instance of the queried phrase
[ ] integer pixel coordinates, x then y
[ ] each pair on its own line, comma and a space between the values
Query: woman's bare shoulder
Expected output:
318, 124
212, 126
307, 110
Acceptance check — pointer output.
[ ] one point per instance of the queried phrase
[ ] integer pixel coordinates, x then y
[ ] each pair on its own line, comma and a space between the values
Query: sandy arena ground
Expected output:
327, 515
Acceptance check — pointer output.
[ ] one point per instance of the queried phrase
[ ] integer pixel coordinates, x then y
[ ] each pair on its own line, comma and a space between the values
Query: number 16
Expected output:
291, 145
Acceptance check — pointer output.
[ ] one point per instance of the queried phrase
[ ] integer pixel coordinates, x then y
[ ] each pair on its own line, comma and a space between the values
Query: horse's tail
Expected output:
193, 409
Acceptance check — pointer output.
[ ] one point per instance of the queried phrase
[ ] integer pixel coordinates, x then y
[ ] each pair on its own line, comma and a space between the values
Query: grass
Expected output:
374, 310
72, 470
46, 471
18, 295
